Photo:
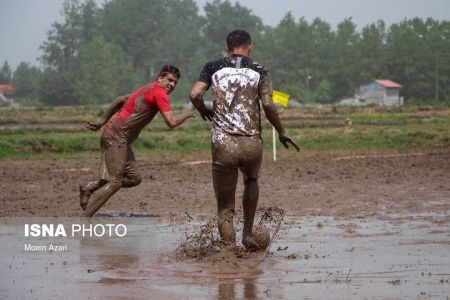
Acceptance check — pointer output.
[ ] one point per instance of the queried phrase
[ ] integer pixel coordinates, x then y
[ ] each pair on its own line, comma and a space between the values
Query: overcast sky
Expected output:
24, 23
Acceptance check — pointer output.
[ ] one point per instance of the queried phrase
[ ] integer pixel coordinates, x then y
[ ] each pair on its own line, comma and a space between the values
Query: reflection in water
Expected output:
114, 262
243, 287
96, 254
325, 256
226, 290
230, 290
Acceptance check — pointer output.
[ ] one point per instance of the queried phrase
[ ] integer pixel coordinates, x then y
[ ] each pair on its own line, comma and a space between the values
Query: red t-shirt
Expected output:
139, 110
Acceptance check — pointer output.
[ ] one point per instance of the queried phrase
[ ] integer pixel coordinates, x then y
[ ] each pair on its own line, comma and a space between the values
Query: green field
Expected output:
49, 132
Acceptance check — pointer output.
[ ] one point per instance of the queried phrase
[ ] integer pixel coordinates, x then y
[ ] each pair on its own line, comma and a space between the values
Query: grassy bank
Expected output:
360, 129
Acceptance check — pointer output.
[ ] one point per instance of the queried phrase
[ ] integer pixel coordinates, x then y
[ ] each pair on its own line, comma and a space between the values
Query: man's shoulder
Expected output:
215, 64
210, 69
154, 90
138, 92
258, 67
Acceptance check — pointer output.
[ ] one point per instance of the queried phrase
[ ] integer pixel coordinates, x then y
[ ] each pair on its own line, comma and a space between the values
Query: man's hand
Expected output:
208, 113
93, 125
285, 140
188, 113
173, 121
196, 97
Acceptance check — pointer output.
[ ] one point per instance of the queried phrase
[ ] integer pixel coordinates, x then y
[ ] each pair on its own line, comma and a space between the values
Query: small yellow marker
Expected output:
283, 99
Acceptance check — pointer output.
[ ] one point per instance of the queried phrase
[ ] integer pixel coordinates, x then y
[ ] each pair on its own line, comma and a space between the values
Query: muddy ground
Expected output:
357, 226
340, 185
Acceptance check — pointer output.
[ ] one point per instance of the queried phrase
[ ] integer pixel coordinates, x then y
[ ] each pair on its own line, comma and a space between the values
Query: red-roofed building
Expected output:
7, 89
379, 91
388, 83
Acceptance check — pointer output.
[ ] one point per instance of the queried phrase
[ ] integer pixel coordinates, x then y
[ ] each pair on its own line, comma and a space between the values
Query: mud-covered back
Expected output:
238, 83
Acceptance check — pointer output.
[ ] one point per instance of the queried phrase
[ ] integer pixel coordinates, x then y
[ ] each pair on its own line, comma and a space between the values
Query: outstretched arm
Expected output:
115, 106
272, 115
196, 97
173, 121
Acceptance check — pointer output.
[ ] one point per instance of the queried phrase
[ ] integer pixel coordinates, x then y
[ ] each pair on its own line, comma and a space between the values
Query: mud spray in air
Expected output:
205, 244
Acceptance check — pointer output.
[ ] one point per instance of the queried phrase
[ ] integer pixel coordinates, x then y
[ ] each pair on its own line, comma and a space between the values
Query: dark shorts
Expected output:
234, 152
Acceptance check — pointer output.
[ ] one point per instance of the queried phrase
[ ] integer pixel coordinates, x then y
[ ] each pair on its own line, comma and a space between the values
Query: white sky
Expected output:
24, 23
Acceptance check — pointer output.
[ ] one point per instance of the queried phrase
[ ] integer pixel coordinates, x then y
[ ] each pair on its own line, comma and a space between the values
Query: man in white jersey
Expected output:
239, 85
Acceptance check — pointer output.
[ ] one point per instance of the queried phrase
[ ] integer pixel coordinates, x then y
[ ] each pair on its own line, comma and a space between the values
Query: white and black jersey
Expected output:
238, 83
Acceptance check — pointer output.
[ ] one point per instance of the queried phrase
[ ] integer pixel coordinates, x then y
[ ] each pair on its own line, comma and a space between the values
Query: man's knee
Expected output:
251, 179
114, 184
136, 179
131, 181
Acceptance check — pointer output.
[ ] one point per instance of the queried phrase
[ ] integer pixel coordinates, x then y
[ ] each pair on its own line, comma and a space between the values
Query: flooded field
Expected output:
357, 226
397, 256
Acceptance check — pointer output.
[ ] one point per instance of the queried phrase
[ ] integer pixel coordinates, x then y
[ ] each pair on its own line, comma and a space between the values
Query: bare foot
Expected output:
259, 240
250, 244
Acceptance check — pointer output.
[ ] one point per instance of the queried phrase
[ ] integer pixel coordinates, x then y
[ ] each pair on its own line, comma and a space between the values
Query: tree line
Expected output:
97, 53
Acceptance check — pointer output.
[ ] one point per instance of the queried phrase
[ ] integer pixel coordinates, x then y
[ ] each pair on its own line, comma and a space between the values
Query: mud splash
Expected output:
401, 257
205, 244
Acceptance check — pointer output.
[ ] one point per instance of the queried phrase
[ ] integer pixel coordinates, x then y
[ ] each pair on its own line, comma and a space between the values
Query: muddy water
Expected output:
398, 256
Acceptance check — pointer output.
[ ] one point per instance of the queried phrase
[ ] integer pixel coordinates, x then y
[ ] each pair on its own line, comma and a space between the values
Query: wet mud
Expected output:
311, 257
205, 244
354, 228
306, 184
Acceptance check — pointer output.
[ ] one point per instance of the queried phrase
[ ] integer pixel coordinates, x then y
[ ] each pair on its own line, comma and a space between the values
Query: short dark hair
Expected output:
169, 69
238, 38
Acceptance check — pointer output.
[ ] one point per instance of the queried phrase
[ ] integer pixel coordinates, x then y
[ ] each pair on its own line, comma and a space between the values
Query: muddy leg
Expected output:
100, 197
224, 181
132, 176
250, 168
86, 192
92, 186
131, 181
250, 202
115, 163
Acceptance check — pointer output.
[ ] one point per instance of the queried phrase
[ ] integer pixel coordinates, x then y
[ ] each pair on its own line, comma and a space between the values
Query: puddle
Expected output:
312, 257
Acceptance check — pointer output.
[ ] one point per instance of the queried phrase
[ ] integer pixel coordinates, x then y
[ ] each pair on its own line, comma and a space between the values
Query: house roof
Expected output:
7, 88
388, 83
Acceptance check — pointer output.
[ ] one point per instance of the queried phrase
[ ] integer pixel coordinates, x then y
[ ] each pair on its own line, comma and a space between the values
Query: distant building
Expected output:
380, 91
7, 89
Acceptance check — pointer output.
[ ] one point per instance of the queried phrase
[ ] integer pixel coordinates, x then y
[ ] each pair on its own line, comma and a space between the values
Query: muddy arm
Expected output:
196, 97
272, 115
173, 121
115, 106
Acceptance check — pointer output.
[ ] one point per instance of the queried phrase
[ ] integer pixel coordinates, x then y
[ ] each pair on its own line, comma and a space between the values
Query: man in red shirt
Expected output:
118, 165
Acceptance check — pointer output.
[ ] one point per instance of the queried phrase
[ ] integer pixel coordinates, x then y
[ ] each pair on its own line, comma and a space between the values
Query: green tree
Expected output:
344, 71
221, 18
26, 79
154, 33
322, 93
5, 74
57, 86
299, 55
96, 53
440, 39
372, 49
64, 39
105, 72
411, 58
285, 53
